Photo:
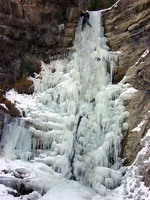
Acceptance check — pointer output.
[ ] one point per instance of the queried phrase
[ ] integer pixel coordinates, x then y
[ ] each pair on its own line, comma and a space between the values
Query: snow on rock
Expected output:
5, 193
133, 181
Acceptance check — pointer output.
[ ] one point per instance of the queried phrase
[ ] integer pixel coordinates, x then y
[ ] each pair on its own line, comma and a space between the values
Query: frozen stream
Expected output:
73, 122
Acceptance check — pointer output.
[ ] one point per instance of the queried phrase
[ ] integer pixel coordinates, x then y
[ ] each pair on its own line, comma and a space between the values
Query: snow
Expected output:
115, 5
145, 53
67, 189
4, 194
128, 93
138, 128
140, 60
67, 145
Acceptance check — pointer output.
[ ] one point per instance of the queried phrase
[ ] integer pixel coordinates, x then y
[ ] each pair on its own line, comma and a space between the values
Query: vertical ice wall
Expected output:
75, 115
16, 139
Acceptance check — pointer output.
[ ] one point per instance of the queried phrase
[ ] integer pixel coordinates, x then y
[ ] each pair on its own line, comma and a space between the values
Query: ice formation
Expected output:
74, 120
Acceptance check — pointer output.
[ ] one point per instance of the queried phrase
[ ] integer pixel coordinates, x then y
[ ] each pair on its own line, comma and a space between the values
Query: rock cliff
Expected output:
128, 31
33, 30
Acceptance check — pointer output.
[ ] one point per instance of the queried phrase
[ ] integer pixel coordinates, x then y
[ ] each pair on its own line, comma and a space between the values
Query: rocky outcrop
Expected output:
8, 107
128, 31
138, 107
33, 30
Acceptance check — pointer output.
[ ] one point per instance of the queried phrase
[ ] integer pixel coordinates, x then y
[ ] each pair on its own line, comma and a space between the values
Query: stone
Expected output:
31, 28
131, 25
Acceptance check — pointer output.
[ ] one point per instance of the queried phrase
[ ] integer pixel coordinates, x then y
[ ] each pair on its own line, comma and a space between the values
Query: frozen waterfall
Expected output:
74, 120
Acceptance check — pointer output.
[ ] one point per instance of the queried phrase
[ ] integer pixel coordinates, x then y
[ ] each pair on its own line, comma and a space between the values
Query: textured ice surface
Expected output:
73, 122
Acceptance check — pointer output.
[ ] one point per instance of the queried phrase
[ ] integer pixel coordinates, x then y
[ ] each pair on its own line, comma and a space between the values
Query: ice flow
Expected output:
73, 122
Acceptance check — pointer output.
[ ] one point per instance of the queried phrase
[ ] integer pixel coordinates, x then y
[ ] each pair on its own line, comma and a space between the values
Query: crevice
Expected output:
73, 176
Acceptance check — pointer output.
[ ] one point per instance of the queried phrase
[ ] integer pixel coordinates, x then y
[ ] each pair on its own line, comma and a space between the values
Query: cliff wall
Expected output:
128, 31
33, 30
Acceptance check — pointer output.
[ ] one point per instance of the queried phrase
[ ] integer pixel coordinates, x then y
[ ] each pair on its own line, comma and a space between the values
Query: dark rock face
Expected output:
128, 31
33, 30
127, 28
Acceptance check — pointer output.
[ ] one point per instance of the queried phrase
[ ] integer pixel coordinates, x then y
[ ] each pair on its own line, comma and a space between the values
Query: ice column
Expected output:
101, 111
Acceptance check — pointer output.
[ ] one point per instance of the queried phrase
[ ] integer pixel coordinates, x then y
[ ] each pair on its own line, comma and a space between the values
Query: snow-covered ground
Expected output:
132, 186
68, 143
